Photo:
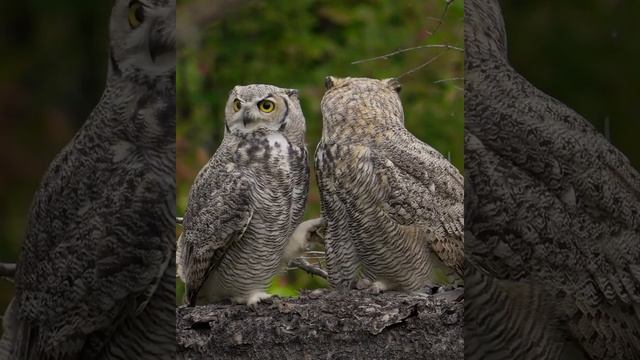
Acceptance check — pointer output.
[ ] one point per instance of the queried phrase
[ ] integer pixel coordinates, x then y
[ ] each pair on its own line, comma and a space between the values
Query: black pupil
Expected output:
139, 13
266, 105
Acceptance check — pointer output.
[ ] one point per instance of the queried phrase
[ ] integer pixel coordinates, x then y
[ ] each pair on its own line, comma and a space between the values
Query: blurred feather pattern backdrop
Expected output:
585, 54
52, 71
296, 44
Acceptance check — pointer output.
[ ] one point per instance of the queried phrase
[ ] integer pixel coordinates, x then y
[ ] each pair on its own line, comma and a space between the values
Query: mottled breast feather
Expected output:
243, 207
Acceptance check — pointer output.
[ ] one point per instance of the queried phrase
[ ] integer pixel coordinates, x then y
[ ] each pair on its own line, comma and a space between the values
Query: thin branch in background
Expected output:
400, 51
441, 19
423, 65
387, 56
7, 270
449, 79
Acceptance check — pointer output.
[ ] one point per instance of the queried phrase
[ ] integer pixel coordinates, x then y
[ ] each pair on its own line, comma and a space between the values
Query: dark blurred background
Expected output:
584, 53
52, 69
297, 44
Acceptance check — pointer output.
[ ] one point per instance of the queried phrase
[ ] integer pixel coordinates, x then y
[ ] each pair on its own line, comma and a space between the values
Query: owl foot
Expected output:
252, 300
363, 284
454, 295
303, 235
370, 287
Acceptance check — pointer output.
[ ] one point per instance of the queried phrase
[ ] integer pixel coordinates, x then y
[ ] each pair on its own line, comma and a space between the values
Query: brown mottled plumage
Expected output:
390, 201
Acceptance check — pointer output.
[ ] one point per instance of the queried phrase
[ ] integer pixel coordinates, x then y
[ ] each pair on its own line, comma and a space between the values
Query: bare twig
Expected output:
441, 19
7, 269
449, 79
445, 46
423, 65
386, 56
306, 266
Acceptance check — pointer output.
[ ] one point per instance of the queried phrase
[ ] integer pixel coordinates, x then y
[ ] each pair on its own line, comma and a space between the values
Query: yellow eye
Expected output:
236, 105
266, 106
136, 14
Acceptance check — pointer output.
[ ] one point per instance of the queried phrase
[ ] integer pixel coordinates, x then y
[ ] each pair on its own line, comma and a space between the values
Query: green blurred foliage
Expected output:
52, 71
296, 44
584, 53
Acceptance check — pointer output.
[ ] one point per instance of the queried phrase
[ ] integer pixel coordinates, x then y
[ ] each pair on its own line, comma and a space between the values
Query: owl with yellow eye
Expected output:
246, 202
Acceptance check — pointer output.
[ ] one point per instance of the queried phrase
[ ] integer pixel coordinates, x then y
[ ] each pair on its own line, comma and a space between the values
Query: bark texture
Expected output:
329, 325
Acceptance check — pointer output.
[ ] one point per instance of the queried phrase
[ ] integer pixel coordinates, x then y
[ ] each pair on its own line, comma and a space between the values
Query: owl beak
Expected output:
246, 119
158, 47
162, 37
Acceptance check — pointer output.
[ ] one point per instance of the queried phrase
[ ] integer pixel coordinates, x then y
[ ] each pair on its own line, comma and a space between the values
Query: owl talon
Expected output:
370, 287
363, 284
252, 300
378, 287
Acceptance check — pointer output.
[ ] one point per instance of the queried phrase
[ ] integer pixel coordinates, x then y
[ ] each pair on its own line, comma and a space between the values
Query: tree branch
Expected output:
444, 14
386, 56
331, 325
306, 266
442, 46
7, 269
422, 65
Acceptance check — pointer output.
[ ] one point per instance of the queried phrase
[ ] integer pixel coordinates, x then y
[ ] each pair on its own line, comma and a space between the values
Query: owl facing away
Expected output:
393, 205
247, 200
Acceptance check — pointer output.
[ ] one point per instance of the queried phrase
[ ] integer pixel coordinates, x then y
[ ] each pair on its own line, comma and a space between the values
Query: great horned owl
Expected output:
246, 202
96, 273
552, 218
393, 205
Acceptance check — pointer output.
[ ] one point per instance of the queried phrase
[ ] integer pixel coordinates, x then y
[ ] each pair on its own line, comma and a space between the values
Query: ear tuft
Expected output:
329, 82
293, 93
394, 84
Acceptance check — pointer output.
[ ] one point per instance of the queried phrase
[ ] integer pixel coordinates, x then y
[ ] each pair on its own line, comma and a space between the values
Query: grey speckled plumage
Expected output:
245, 204
552, 218
96, 273
393, 205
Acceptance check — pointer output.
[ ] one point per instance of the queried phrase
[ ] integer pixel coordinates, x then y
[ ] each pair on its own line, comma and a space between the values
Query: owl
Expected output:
247, 201
393, 205
96, 273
